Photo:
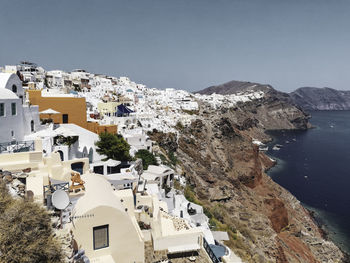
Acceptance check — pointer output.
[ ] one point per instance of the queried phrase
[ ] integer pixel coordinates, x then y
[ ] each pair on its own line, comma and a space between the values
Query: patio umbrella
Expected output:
49, 112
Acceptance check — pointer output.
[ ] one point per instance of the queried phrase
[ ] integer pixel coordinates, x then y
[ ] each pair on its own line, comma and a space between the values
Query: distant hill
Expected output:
275, 110
309, 98
234, 87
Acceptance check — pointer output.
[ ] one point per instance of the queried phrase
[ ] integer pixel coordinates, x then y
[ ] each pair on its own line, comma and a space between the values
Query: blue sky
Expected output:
185, 44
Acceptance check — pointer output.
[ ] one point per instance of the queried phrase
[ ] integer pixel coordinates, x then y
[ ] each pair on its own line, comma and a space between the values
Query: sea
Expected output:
314, 165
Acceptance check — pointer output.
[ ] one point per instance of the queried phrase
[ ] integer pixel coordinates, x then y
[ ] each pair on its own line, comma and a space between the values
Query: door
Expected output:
64, 118
61, 155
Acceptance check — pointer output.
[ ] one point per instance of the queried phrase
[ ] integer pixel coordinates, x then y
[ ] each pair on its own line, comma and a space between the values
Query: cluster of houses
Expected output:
116, 211
218, 100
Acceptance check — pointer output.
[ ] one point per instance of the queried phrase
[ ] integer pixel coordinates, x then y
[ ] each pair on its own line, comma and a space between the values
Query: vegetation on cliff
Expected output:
26, 235
147, 158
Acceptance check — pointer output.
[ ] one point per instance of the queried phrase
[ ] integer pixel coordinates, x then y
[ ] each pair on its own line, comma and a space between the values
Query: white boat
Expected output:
277, 147
263, 148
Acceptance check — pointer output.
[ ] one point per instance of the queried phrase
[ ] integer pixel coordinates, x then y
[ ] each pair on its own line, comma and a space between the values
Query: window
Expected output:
64, 118
2, 109
98, 169
113, 169
100, 237
13, 108
14, 88
32, 126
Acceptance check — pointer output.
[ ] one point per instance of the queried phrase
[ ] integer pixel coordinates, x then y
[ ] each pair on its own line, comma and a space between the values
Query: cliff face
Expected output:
274, 111
321, 99
226, 173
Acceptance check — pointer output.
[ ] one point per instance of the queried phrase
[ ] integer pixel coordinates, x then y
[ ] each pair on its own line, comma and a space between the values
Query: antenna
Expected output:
60, 199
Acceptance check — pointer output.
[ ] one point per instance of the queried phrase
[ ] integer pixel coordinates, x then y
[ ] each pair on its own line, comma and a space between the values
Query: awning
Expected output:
122, 110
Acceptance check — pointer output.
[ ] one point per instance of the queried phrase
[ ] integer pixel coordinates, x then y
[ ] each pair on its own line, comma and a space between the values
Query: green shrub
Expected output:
147, 158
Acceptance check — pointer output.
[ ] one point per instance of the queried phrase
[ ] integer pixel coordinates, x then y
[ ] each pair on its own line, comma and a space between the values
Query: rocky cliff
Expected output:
321, 99
274, 111
226, 174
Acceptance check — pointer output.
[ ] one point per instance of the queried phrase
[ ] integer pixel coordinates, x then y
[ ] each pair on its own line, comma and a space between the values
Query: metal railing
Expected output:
54, 187
210, 252
17, 146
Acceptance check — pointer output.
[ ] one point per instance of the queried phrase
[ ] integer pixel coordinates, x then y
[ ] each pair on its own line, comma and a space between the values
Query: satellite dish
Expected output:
60, 199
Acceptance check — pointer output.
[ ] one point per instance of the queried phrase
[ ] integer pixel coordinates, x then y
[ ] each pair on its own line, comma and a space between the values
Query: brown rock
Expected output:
278, 214
7, 179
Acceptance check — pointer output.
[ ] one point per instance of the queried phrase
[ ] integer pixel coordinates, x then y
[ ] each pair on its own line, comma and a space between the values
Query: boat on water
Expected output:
277, 147
263, 148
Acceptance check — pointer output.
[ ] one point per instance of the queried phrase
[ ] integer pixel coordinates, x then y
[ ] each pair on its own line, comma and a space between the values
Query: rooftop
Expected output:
4, 77
6, 94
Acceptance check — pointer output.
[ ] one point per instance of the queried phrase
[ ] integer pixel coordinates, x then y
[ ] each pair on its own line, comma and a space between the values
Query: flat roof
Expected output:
183, 248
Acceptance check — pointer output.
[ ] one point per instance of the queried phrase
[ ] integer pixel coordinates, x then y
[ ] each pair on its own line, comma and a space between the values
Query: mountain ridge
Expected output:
305, 98
312, 98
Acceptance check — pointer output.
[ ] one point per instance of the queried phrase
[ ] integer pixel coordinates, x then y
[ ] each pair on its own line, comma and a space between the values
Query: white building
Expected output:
104, 227
54, 141
54, 79
17, 119
137, 139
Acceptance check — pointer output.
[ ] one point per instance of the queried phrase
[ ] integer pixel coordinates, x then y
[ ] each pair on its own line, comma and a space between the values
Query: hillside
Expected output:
227, 175
321, 99
275, 110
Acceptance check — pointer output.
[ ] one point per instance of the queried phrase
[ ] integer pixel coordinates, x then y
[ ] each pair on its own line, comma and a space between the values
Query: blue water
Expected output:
315, 167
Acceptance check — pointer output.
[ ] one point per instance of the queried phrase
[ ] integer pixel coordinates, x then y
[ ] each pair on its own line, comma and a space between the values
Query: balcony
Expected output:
16, 146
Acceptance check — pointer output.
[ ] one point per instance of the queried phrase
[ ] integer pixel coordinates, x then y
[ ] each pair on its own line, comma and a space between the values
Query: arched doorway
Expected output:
14, 88
85, 152
32, 126
61, 155
91, 155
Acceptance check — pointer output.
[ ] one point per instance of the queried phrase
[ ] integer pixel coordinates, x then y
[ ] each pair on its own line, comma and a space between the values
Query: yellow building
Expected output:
108, 108
71, 110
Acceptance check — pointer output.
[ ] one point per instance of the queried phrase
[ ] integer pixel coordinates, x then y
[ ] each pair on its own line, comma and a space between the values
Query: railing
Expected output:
54, 187
16, 146
210, 252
